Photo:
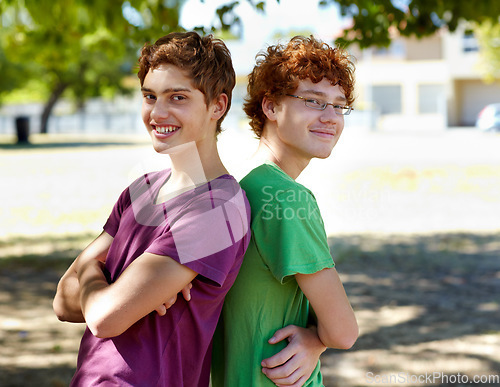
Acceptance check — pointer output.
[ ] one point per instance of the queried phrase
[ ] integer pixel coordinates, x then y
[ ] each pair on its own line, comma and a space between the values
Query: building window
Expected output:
430, 98
387, 98
469, 42
396, 49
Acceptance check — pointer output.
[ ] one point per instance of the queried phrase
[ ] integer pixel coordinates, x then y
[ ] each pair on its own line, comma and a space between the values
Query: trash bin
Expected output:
23, 129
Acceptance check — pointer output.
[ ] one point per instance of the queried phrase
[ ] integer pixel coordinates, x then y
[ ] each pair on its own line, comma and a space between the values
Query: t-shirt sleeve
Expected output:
111, 225
290, 235
208, 236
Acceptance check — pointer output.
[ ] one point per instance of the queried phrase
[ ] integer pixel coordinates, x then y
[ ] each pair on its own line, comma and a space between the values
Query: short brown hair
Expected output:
205, 59
280, 68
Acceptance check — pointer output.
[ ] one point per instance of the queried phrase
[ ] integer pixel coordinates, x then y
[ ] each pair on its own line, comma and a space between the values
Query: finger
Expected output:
279, 359
161, 310
289, 380
298, 383
170, 302
186, 292
282, 334
279, 373
282, 357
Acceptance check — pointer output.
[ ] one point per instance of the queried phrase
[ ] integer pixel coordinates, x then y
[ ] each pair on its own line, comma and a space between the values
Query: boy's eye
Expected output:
178, 98
315, 102
149, 96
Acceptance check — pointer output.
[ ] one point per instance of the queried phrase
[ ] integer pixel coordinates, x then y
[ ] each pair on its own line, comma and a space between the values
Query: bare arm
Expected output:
149, 281
337, 326
66, 302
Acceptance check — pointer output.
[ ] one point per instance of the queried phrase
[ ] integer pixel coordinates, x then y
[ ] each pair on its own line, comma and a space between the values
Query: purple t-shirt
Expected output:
206, 229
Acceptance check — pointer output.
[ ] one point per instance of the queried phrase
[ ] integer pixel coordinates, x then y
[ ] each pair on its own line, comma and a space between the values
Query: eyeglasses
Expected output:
320, 105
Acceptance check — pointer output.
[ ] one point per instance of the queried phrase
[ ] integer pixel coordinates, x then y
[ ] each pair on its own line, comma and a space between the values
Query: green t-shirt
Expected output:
288, 237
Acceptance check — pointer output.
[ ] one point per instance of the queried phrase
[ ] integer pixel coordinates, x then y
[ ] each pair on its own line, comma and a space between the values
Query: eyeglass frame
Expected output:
324, 105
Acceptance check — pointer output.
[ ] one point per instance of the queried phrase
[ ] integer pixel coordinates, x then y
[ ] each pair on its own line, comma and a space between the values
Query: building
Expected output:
429, 83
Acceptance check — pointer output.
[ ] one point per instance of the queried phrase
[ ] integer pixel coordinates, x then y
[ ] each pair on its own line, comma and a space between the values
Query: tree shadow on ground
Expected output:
412, 292
44, 377
453, 280
407, 291
35, 348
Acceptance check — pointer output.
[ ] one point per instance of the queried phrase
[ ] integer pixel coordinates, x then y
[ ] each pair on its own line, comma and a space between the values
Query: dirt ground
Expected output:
414, 230
425, 305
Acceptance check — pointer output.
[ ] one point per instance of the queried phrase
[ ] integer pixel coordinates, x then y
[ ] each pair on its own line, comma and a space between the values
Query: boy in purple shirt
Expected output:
188, 224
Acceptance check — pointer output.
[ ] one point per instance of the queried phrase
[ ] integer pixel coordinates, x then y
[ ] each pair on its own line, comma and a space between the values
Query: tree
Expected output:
11, 72
376, 22
80, 47
83, 48
373, 21
488, 37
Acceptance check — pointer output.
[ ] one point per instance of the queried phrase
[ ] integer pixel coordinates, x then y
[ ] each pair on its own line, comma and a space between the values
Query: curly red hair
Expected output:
280, 68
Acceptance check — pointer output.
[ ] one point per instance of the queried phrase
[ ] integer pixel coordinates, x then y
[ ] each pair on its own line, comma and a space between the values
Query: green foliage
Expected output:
488, 37
82, 48
85, 47
374, 21
10, 78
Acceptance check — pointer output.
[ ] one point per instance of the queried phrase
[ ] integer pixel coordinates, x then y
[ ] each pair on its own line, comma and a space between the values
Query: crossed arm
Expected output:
336, 328
84, 295
66, 302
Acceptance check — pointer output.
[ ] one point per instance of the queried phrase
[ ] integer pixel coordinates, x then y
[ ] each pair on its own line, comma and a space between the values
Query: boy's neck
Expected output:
191, 167
290, 163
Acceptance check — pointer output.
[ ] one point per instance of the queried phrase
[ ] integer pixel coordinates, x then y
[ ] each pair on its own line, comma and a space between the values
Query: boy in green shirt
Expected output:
298, 95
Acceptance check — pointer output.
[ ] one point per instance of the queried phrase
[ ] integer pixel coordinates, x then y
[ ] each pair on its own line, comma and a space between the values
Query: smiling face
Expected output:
174, 111
300, 133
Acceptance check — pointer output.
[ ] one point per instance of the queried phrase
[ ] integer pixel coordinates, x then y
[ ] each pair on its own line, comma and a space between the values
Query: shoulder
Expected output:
149, 178
220, 191
222, 197
268, 184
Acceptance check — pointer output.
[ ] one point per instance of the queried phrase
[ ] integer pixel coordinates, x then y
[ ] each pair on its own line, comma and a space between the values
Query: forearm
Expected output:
337, 326
150, 280
66, 302
343, 338
316, 343
93, 285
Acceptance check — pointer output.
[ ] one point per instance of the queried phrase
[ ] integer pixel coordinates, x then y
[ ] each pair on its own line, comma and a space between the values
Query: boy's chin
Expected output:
162, 149
186, 147
323, 155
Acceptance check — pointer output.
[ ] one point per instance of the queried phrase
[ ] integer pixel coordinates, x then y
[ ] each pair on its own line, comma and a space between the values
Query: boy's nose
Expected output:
329, 114
159, 111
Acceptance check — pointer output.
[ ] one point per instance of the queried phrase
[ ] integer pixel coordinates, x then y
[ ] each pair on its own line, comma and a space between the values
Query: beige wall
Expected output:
424, 49
471, 96
440, 61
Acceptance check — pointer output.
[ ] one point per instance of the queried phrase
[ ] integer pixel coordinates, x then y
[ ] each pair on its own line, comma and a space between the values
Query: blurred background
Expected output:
410, 195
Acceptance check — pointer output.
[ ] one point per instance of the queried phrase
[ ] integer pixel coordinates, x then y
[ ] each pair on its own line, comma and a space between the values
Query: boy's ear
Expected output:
219, 106
269, 109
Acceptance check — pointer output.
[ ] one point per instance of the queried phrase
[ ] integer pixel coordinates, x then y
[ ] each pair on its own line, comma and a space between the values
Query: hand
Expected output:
186, 293
293, 365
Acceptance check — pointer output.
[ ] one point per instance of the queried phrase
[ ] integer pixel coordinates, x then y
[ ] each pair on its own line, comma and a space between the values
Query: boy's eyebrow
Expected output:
323, 95
169, 90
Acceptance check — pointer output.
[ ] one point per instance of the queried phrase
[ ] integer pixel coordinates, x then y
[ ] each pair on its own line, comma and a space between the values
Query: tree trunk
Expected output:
47, 110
